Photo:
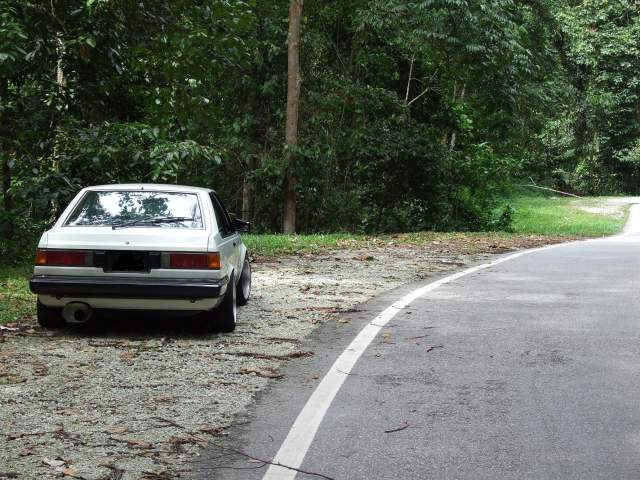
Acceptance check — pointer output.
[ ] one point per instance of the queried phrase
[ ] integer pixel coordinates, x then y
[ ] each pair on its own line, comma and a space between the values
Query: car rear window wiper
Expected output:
152, 220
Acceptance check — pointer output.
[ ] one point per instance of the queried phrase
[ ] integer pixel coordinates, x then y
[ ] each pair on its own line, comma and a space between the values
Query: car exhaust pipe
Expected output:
77, 312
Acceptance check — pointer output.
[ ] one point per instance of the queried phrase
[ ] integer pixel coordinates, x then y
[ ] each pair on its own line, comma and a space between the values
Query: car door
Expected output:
229, 240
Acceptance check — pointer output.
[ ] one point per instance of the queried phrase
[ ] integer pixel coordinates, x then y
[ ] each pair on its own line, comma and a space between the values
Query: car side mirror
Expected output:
240, 225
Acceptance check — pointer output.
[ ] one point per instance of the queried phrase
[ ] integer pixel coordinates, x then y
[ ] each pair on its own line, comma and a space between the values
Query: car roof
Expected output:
154, 187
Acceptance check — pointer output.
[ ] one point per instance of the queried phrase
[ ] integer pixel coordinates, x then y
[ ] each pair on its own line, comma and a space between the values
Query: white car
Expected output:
143, 247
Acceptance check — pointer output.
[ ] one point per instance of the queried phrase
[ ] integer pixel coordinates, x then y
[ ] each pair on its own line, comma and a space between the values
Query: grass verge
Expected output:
274, 245
580, 217
16, 301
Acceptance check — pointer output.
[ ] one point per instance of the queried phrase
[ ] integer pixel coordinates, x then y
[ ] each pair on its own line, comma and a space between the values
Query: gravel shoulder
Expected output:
138, 397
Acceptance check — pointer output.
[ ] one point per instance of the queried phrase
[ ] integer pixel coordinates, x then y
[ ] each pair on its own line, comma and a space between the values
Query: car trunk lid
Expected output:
161, 239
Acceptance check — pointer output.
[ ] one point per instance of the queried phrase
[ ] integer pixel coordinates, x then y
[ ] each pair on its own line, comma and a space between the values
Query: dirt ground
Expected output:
135, 398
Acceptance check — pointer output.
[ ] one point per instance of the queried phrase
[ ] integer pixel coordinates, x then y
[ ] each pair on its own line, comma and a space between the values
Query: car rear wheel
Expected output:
244, 285
50, 317
227, 310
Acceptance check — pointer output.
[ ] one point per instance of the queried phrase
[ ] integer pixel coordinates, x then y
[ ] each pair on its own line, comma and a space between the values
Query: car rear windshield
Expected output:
137, 208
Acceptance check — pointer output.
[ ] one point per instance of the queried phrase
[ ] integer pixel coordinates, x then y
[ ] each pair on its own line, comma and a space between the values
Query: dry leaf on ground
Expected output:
127, 357
266, 372
139, 443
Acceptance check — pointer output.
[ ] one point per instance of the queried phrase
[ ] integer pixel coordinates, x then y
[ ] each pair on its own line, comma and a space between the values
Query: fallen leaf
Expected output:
127, 357
118, 430
177, 441
25, 452
215, 431
364, 258
69, 471
164, 399
139, 443
267, 372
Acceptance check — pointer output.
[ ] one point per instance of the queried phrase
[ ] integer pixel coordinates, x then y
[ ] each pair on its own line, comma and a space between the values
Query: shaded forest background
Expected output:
414, 115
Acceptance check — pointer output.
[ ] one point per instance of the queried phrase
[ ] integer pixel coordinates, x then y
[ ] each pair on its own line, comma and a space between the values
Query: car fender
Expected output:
228, 261
44, 240
243, 254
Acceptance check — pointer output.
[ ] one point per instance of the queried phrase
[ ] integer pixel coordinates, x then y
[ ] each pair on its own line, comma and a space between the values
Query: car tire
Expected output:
50, 317
244, 284
228, 309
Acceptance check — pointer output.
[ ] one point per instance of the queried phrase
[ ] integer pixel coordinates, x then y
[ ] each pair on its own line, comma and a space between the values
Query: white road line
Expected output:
295, 446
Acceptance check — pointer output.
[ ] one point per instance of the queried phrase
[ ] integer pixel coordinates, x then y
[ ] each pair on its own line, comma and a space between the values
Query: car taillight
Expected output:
41, 257
64, 258
187, 261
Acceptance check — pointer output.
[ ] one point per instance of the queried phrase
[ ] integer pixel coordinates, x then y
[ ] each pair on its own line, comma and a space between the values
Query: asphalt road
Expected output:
529, 369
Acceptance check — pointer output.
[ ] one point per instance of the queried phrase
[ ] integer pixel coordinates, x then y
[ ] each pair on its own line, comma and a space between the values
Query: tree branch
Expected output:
406, 97
533, 185
419, 96
241, 453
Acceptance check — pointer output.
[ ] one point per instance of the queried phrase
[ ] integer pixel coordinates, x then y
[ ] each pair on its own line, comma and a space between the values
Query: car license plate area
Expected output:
130, 261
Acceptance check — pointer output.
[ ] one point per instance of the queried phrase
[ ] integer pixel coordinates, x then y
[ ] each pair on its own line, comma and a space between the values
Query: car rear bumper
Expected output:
127, 288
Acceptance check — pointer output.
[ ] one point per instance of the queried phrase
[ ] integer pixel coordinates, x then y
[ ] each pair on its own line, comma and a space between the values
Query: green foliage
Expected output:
124, 152
566, 216
16, 301
588, 141
414, 115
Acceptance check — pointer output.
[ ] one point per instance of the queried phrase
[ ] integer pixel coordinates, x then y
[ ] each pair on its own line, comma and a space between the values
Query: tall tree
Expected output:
293, 108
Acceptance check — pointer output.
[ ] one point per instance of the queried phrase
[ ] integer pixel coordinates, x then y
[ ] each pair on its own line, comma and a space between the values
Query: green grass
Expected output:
535, 215
16, 301
277, 244
563, 216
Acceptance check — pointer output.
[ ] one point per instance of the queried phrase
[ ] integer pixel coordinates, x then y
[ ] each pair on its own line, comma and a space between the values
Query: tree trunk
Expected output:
6, 185
458, 98
247, 193
293, 108
246, 201
6, 227
446, 139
